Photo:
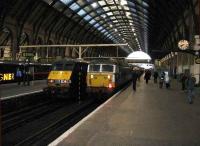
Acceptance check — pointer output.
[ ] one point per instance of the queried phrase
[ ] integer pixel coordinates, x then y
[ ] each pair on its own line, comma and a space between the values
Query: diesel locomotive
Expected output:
67, 79
107, 75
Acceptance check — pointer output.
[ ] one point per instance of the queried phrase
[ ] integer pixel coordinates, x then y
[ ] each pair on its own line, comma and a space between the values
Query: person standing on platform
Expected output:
147, 76
19, 76
190, 83
134, 79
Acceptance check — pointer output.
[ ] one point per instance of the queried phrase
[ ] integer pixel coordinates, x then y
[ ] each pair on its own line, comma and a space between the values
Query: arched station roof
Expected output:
146, 25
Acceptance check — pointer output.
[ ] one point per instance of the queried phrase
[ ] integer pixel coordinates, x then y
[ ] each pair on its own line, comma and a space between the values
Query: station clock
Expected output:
183, 44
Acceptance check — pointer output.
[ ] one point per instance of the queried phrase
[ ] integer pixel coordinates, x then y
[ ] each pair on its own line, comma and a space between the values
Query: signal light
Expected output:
108, 76
92, 76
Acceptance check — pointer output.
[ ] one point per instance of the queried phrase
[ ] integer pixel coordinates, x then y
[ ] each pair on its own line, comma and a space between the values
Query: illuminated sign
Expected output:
6, 76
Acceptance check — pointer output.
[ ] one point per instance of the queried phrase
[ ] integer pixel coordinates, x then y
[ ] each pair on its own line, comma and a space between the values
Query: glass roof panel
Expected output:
109, 13
106, 8
88, 17
81, 12
100, 28
102, 3
126, 8
96, 25
66, 2
92, 21
74, 6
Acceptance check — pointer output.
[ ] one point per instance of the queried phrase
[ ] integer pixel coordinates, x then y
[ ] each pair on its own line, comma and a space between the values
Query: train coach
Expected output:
35, 71
106, 75
67, 79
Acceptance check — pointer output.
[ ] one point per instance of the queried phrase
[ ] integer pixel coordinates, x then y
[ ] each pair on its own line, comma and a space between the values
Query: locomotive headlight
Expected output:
91, 76
108, 76
65, 81
51, 81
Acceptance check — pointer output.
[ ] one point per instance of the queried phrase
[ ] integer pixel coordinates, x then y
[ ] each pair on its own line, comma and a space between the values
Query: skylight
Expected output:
81, 12
66, 2
74, 6
88, 17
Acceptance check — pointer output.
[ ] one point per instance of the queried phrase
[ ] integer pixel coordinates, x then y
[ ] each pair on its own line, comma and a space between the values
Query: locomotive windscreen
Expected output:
94, 68
60, 67
107, 68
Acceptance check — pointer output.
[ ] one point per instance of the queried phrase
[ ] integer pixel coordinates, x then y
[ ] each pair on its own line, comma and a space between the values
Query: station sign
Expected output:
27, 54
6, 76
197, 60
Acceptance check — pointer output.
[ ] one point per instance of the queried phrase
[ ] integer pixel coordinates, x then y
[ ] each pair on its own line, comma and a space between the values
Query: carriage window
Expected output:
68, 67
94, 67
107, 68
58, 67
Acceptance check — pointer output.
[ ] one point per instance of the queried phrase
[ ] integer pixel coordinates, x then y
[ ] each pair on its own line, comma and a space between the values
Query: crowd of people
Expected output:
187, 81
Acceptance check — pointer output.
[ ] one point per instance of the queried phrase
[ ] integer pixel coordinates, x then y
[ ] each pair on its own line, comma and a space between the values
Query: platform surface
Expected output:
13, 90
148, 117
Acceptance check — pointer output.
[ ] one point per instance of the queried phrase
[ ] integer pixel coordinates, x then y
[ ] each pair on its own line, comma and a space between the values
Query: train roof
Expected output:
23, 63
121, 62
71, 61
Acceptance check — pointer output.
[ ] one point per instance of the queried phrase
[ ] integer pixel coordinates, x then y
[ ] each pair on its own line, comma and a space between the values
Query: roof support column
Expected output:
15, 42
79, 52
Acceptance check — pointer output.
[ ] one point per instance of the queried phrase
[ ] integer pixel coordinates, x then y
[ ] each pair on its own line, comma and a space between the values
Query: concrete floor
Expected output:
7, 90
148, 117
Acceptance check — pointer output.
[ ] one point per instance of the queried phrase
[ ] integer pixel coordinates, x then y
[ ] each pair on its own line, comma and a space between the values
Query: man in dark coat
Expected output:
147, 76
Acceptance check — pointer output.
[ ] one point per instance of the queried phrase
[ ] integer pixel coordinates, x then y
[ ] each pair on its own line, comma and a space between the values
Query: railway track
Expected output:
43, 124
16, 119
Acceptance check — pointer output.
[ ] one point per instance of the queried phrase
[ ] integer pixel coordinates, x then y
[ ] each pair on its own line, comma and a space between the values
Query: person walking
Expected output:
134, 79
183, 80
167, 80
190, 83
19, 76
155, 75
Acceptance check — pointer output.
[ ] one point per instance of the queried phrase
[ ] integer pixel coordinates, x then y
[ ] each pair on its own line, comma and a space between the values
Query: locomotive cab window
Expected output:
107, 68
57, 67
68, 67
95, 68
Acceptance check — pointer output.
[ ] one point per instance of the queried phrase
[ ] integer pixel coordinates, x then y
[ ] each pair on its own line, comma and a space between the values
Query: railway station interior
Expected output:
100, 72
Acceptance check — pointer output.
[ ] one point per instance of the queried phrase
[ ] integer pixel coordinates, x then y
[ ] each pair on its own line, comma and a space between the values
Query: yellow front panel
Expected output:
59, 75
99, 79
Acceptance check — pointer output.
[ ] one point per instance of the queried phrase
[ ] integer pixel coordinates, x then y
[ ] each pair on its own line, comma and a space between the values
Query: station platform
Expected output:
13, 90
148, 117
